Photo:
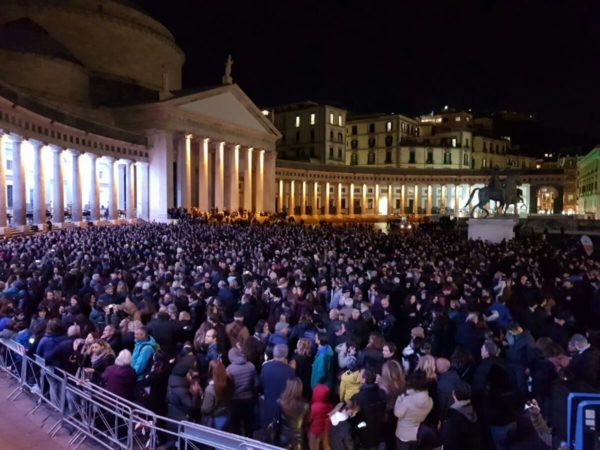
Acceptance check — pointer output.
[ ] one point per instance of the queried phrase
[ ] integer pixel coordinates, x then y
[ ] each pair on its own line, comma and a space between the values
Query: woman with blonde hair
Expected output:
426, 365
293, 409
100, 357
302, 363
393, 383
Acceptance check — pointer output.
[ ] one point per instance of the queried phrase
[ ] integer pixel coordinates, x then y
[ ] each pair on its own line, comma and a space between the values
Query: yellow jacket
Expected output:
349, 385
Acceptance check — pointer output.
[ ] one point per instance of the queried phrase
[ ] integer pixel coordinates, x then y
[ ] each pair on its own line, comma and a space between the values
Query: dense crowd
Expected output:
315, 337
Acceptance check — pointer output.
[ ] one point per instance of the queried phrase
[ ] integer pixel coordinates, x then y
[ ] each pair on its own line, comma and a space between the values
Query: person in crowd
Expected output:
585, 362
217, 404
301, 362
321, 405
461, 429
273, 380
254, 347
293, 412
51, 339
341, 434
411, 409
371, 401
350, 382
243, 376
100, 357
184, 397
372, 356
119, 378
322, 368
393, 383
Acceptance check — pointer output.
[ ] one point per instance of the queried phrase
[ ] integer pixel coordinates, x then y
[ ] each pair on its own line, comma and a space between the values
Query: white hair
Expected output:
124, 358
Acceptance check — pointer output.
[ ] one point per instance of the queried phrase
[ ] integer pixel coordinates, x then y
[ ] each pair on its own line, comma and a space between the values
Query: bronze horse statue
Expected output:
505, 195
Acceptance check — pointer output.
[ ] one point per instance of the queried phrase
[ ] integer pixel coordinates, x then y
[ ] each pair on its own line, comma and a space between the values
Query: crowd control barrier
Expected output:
93, 413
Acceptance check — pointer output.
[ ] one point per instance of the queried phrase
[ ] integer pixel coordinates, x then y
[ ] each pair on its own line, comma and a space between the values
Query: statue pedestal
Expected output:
493, 229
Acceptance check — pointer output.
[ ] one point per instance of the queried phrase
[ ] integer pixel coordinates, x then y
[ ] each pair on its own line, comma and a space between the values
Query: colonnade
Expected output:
302, 197
134, 201
221, 168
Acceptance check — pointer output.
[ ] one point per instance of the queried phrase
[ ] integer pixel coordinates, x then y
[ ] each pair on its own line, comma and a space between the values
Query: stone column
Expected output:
113, 211
94, 188
269, 181
376, 203
233, 178
390, 199
292, 201
314, 197
76, 215
416, 201
130, 188
351, 199
363, 203
443, 201
143, 212
203, 175
39, 184
219, 178
403, 199
58, 196
338, 200
326, 203
428, 204
3, 200
259, 201
184, 171
303, 204
19, 200
248, 180
456, 201
280, 197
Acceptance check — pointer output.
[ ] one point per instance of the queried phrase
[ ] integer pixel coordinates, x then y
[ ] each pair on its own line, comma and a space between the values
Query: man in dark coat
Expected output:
371, 401
585, 363
273, 378
165, 332
461, 429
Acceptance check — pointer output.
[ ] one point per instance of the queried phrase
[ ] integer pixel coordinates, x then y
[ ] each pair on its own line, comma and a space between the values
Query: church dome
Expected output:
121, 46
24, 35
31, 59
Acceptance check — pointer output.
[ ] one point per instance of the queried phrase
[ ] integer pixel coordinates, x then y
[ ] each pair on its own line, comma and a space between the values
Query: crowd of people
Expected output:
320, 337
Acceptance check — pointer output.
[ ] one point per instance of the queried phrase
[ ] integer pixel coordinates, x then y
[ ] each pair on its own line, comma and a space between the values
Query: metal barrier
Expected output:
107, 419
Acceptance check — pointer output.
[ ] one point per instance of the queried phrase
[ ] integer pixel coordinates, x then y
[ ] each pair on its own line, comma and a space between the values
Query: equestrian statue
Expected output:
504, 194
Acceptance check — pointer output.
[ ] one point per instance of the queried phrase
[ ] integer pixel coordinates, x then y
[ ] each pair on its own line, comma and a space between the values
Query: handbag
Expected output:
274, 430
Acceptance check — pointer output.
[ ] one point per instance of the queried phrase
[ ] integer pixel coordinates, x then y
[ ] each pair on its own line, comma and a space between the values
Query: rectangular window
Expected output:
388, 157
297, 121
330, 152
411, 157
331, 118
466, 159
354, 129
388, 126
9, 164
340, 123
454, 142
447, 157
371, 128
312, 119
429, 157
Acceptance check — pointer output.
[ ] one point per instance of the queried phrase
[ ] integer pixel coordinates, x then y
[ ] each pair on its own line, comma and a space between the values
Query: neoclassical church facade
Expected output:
94, 124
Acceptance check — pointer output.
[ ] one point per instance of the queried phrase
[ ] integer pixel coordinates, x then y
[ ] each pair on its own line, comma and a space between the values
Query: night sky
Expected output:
397, 56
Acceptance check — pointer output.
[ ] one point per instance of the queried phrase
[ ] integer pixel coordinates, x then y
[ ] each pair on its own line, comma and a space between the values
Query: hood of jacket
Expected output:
148, 341
320, 394
465, 408
418, 398
236, 356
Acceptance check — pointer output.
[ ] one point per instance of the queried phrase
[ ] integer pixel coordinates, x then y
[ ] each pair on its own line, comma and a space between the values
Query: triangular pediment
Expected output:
227, 105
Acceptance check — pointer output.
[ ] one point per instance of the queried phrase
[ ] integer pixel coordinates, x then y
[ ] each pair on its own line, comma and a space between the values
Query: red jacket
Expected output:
320, 407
